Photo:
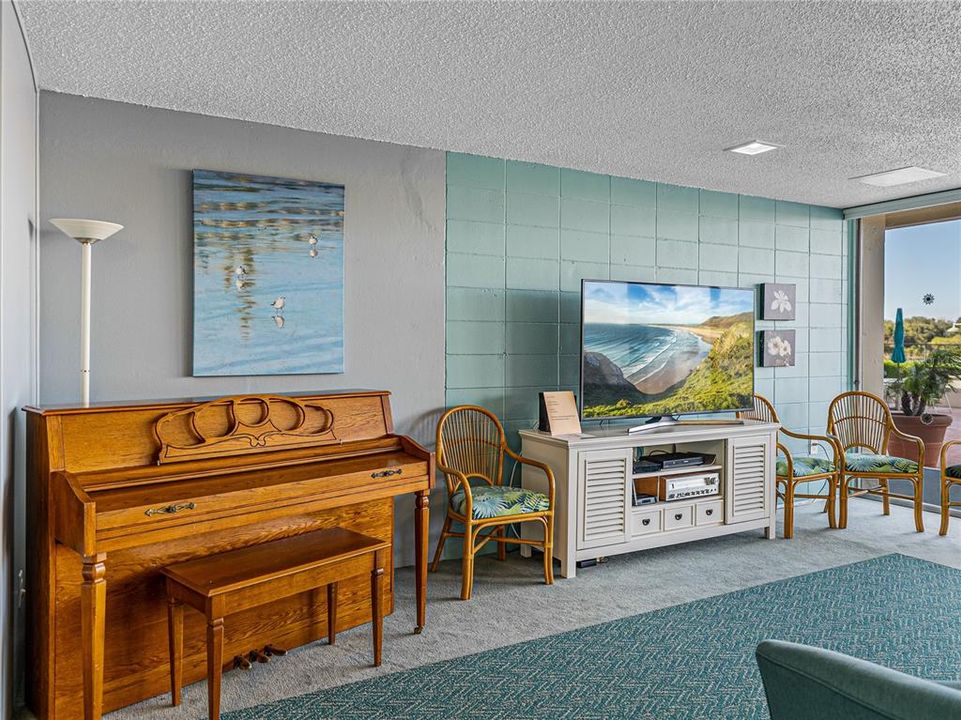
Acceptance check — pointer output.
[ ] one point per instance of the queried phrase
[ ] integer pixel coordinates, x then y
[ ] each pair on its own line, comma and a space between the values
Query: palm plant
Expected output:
926, 380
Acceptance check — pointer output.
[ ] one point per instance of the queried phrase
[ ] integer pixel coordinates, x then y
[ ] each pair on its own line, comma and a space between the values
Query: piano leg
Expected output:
421, 525
93, 601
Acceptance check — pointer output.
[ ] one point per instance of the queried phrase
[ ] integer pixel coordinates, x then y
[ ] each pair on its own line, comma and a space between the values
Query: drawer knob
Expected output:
709, 511
386, 473
678, 516
169, 509
646, 521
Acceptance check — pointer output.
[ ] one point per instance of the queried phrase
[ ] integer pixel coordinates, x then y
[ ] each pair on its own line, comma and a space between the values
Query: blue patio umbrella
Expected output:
897, 354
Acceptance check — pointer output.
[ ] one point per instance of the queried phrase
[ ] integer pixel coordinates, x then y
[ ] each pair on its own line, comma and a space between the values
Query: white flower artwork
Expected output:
778, 348
778, 301
781, 302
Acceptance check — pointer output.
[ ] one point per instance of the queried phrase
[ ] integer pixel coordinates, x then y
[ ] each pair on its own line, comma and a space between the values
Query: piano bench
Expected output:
225, 583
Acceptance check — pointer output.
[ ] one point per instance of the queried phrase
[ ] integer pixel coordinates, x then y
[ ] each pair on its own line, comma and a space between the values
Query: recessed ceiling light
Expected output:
755, 147
901, 176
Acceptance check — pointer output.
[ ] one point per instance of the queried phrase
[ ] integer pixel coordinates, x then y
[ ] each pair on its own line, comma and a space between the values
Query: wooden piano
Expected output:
117, 491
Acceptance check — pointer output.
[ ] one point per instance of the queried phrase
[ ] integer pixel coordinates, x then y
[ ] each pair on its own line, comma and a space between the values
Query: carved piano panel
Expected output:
134, 487
242, 426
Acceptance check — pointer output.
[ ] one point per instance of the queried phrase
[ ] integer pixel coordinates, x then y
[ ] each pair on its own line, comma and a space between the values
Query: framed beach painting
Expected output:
268, 275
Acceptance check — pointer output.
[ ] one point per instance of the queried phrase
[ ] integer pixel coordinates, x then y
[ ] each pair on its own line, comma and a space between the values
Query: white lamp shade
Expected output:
86, 230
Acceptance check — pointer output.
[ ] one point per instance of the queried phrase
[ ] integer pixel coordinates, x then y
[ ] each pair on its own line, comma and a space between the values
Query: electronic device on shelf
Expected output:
671, 461
684, 487
642, 499
646, 466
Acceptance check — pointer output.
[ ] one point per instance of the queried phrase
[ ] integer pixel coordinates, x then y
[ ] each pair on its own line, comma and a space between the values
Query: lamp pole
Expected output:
86, 232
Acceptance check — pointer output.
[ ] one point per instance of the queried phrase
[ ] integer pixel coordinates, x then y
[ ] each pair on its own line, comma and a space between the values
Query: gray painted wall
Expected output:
18, 204
131, 165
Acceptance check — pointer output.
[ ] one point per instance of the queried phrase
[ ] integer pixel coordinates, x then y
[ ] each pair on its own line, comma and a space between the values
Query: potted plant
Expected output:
915, 390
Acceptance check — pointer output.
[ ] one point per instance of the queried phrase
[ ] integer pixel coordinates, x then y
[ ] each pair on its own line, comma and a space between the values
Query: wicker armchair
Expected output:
470, 452
950, 476
794, 469
863, 423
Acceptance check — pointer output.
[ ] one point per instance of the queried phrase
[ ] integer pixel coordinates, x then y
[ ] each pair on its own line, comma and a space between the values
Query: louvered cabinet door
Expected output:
749, 474
604, 478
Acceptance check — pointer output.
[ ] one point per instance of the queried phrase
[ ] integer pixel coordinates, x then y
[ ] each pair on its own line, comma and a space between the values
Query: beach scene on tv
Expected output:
652, 350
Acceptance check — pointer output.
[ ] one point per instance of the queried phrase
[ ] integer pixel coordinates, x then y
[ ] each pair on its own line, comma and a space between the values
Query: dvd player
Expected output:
671, 461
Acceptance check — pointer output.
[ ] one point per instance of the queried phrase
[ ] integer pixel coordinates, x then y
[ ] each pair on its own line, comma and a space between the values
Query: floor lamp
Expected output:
86, 232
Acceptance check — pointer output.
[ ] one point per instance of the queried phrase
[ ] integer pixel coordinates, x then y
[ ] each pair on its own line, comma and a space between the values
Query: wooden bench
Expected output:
218, 585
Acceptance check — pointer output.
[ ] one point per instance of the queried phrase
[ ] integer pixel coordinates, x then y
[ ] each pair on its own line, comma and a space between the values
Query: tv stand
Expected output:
594, 482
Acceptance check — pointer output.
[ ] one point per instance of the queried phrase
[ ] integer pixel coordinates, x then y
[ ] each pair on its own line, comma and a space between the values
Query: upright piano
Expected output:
117, 491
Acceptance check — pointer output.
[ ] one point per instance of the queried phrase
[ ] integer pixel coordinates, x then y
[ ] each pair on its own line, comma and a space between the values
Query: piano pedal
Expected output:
273, 650
242, 663
258, 656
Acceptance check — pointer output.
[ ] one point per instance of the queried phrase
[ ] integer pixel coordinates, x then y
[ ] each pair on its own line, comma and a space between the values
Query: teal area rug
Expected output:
688, 661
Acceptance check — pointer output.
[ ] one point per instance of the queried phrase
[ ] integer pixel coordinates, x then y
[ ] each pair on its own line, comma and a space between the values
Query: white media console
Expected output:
595, 480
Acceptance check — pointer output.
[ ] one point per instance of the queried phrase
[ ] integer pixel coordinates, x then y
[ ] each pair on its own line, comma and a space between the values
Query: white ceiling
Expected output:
647, 90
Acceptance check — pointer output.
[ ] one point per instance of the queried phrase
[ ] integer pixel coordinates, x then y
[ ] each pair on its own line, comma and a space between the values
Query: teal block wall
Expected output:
521, 236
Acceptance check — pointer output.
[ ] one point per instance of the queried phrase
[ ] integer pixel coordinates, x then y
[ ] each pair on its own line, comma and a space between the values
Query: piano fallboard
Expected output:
169, 497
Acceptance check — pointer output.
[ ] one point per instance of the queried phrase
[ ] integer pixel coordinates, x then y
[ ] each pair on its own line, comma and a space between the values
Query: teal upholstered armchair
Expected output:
807, 683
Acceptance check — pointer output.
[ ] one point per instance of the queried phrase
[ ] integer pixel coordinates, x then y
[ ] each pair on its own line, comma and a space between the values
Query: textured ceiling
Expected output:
647, 90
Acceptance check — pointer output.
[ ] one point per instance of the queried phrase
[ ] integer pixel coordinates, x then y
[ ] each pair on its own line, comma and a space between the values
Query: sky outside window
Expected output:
920, 260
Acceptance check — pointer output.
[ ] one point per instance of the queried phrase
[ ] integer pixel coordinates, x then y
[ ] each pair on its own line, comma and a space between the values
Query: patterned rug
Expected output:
687, 661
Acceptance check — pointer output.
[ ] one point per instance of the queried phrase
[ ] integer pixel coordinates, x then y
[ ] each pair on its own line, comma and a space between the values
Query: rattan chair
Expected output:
793, 469
863, 424
471, 449
950, 476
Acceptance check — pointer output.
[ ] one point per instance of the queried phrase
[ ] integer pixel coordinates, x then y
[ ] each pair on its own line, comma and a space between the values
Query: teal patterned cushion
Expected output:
870, 462
953, 471
805, 465
495, 501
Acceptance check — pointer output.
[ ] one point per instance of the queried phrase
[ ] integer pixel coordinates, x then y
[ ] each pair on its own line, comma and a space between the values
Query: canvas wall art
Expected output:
268, 275
777, 348
778, 301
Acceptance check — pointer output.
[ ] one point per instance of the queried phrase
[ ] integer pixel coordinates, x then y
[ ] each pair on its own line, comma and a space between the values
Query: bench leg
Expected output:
215, 661
175, 630
377, 611
332, 613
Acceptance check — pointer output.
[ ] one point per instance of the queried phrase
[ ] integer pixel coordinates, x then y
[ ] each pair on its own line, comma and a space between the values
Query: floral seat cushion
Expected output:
872, 463
804, 465
495, 501
953, 471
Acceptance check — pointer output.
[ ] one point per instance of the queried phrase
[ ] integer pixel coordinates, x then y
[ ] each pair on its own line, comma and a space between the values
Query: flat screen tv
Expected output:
654, 350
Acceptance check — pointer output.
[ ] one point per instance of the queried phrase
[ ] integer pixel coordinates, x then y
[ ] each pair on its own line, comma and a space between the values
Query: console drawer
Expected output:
678, 517
645, 522
709, 512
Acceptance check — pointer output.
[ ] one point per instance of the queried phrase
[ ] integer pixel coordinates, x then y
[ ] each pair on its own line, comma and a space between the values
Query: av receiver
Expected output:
683, 487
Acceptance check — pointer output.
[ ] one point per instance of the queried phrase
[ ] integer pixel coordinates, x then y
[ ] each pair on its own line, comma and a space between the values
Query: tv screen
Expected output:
652, 350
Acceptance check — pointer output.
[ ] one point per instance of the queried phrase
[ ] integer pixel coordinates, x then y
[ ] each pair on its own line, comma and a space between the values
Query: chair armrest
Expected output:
831, 441
910, 438
944, 452
782, 449
542, 466
807, 683
455, 478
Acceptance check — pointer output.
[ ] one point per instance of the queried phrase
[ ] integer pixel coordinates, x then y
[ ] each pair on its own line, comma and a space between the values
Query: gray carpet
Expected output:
511, 604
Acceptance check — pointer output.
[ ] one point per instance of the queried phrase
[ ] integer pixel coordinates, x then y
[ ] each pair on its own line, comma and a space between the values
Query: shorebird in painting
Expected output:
312, 239
240, 270
279, 303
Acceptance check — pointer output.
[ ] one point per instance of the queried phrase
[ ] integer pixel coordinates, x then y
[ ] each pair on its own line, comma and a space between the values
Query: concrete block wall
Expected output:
521, 236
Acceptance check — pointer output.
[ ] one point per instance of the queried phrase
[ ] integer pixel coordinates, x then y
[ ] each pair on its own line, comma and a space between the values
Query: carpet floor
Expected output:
512, 605
689, 661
